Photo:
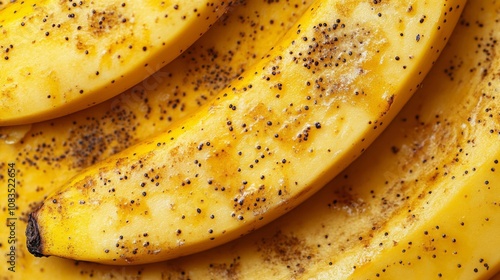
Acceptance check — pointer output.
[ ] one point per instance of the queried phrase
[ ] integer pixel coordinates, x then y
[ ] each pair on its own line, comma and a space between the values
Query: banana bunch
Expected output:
219, 174
420, 202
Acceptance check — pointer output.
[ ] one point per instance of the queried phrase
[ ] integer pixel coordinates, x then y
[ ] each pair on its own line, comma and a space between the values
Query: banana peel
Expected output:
447, 164
58, 57
313, 104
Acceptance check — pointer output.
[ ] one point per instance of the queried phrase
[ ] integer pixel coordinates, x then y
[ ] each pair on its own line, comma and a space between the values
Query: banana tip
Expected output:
33, 238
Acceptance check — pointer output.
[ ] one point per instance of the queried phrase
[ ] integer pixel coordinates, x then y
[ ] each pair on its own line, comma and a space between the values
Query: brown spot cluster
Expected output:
88, 140
93, 140
97, 139
227, 270
102, 21
287, 251
347, 200
444, 143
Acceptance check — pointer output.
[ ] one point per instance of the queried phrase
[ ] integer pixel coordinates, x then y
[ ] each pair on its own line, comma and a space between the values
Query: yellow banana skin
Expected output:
220, 174
321, 237
48, 153
58, 57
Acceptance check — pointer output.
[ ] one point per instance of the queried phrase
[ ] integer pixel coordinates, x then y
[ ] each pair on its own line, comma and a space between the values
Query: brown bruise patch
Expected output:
93, 139
103, 21
217, 69
87, 141
228, 270
347, 200
286, 251
441, 135
345, 49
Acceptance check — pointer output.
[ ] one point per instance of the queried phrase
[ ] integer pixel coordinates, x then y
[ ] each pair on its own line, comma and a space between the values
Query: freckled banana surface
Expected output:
269, 140
58, 57
421, 203
50, 152
320, 238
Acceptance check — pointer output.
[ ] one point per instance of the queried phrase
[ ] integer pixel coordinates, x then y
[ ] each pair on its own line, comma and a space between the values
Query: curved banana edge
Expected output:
446, 174
59, 57
78, 140
377, 72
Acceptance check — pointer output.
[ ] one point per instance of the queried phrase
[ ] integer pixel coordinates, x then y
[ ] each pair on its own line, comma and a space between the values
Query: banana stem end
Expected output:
33, 238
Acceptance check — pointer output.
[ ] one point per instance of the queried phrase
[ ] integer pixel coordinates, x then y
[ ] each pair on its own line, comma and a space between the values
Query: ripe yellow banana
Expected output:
58, 57
282, 249
269, 140
50, 152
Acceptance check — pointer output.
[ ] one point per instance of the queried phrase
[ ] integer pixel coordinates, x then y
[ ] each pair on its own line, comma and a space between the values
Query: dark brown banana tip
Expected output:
33, 238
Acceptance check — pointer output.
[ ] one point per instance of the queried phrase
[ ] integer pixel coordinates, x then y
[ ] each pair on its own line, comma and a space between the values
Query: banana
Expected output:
58, 57
49, 153
314, 103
